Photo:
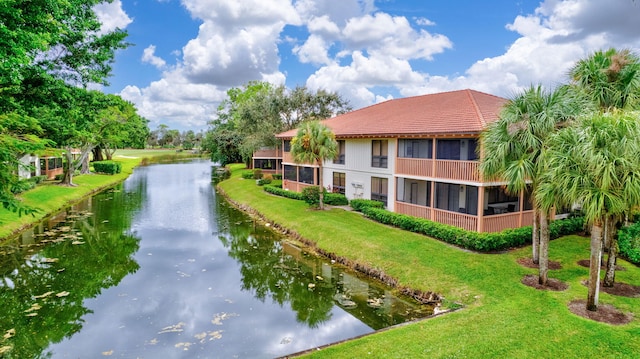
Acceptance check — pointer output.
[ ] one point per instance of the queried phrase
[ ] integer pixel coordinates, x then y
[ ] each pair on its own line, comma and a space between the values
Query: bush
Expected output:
359, 204
38, 179
483, 242
257, 173
283, 193
335, 199
22, 186
311, 195
247, 174
263, 181
629, 243
277, 176
107, 167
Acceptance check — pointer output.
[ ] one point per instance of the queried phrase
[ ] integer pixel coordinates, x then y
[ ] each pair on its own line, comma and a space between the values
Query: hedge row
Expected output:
483, 242
284, 193
332, 199
108, 167
359, 204
629, 242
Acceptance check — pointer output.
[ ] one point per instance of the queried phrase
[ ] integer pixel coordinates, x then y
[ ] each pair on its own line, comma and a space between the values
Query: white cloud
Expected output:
148, 55
365, 54
112, 16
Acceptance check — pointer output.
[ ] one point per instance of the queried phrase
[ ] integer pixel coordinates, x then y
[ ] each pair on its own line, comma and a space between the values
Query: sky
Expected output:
186, 54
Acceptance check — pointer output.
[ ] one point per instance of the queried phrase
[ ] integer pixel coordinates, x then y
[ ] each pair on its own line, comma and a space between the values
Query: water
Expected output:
160, 267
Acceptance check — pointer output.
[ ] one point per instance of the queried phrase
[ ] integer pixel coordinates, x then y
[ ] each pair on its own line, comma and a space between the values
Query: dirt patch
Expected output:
528, 262
586, 262
556, 285
606, 313
619, 289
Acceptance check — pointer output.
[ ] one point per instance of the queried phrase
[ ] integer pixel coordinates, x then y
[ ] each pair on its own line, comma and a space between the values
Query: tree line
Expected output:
52, 52
250, 117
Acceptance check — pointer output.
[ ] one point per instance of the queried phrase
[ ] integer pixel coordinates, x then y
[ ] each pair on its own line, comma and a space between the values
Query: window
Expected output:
290, 173
408, 148
32, 167
414, 192
448, 196
43, 164
379, 189
287, 146
265, 164
306, 174
339, 180
460, 149
341, 151
379, 153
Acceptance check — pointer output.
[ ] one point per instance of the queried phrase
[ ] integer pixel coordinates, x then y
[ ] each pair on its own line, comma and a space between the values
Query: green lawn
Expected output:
501, 317
50, 197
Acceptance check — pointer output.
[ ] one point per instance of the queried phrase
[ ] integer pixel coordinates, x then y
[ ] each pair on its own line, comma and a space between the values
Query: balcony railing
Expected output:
462, 220
414, 166
446, 169
413, 210
287, 157
458, 170
268, 153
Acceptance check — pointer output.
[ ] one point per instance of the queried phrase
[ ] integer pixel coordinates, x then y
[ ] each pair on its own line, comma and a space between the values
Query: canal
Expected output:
162, 267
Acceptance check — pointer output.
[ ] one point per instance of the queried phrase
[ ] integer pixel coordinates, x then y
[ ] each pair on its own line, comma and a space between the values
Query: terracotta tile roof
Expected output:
445, 113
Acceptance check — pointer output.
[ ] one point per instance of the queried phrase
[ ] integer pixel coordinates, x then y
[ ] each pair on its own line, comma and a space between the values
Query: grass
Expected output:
501, 318
50, 198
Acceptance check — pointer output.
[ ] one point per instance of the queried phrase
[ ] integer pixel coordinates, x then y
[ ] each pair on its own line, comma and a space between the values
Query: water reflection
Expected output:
162, 268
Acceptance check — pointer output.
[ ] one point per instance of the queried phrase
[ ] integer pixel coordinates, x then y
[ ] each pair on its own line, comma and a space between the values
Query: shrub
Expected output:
359, 204
484, 242
22, 186
108, 167
311, 195
263, 181
257, 173
335, 199
284, 193
629, 242
277, 176
247, 174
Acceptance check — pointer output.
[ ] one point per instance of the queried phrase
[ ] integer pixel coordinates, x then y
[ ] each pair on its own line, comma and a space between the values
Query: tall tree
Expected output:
259, 110
314, 143
18, 136
512, 148
611, 79
595, 163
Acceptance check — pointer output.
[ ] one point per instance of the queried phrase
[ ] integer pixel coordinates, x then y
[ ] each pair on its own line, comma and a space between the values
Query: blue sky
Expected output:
188, 53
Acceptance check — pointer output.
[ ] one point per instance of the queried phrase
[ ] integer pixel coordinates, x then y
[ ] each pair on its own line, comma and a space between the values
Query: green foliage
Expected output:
247, 174
263, 181
311, 195
107, 167
335, 199
483, 242
257, 173
359, 204
283, 193
277, 176
629, 242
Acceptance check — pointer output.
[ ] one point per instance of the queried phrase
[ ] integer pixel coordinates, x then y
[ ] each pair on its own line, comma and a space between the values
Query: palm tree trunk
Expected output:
321, 185
610, 275
535, 235
543, 259
594, 266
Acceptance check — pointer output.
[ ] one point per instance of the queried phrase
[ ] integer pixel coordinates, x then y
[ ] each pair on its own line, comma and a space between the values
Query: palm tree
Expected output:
594, 163
314, 143
512, 147
612, 80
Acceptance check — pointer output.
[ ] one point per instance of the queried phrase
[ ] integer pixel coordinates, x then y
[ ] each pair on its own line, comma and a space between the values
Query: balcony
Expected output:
268, 153
445, 169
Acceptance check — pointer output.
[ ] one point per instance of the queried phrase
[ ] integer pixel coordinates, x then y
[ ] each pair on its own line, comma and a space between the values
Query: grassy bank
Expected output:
501, 318
49, 197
